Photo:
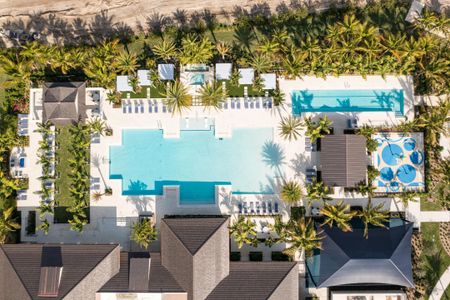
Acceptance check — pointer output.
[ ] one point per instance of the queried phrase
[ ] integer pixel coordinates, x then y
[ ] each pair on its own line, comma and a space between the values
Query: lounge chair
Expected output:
252, 208
22, 162
136, 108
264, 210
269, 207
276, 207
240, 208
155, 107
124, 108
258, 104
150, 105
258, 208
246, 104
130, 109
238, 103
164, 109
252, 104
141, 106
12, 163
245, 208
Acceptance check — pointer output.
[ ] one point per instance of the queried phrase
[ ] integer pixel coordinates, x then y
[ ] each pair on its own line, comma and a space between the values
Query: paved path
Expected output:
440, 287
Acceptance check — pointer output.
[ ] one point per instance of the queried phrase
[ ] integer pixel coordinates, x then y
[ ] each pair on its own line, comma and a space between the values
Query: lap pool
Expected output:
197, 162
347, 101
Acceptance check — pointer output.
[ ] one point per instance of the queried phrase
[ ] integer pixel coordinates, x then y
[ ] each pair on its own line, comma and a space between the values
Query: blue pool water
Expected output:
197, 161
347, 101
197, 79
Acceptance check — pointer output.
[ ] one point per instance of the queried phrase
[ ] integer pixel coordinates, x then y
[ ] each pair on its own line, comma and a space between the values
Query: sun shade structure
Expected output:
64, 102
269, 81
166, 71
139, 274
415, 11
144, 77
384, 258
51, 270
123, 84
223, 71
344, 160
247, 76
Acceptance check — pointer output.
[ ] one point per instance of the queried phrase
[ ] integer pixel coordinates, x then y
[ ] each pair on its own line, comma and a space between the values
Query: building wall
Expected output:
211, 263
11, 287
90, 284
288, 288
176, 259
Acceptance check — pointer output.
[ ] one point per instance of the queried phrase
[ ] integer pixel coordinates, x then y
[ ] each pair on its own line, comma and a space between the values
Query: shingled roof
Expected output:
347, 256
193, 232
161, 281
26, 262
250, 280
64, 102
343, 159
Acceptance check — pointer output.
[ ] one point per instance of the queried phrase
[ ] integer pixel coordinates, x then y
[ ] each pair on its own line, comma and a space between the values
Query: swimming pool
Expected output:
400, 160
347, 101
197, 162
198, 79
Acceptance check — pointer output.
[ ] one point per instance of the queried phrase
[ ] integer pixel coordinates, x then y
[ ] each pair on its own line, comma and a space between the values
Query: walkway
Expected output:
440, 287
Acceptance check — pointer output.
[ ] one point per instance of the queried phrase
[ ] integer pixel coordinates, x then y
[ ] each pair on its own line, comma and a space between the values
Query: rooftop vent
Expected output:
51, 271
139, 271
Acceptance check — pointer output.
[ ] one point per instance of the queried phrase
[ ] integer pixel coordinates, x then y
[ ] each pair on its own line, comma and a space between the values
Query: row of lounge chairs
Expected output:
258, 208
140, 107
310, 147
22, 125
247, 103
95, 184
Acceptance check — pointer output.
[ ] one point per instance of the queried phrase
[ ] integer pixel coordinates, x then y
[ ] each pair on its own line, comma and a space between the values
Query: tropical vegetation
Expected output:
291, 192
338, 214
144, 233
243, 231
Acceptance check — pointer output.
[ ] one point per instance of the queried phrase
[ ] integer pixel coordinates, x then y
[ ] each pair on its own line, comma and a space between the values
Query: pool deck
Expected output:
113, 216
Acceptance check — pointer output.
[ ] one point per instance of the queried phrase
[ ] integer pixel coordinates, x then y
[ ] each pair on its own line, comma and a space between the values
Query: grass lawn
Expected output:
238, 91
431, 242
62, 183
3, 78
155, 92
426, 205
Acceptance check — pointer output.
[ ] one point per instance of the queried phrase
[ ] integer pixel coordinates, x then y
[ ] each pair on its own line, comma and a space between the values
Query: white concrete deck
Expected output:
112, 216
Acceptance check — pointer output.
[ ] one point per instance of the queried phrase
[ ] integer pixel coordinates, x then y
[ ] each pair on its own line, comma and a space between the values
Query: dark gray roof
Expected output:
77, 260
251, 280
383, 258
64, 102
343, 159
194, 232
160, 279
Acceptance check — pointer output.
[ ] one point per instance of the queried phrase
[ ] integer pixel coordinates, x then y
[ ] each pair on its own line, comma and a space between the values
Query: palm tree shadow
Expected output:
434, 267
156, 23
273, 156
101, 28
136, 186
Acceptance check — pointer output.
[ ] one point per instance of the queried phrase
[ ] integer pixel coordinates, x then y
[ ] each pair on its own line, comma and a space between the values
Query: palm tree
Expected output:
127, 63
44, 226
300, 236
177, 97
211, 95
165, 50
290, 128
7, 224
261, 62
374, 215
318, 130
434, 120
243, 231
144, 233
291, 192
338, 214
195, 50
77, 222
278, 97
317, 190
96, 196
223, 49
97, 126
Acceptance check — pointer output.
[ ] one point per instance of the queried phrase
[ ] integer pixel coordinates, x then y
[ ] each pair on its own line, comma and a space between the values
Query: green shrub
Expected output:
255, 256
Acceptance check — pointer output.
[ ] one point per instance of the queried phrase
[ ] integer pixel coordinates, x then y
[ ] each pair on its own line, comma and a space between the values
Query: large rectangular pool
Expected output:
347, 101
197, 162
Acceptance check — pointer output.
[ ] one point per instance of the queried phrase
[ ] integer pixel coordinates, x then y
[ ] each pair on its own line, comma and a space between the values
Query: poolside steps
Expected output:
171, 130
222, 129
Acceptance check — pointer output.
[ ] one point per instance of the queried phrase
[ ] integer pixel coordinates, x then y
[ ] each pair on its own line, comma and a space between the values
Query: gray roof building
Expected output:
349, 259
344, 160
64, 102
38, 272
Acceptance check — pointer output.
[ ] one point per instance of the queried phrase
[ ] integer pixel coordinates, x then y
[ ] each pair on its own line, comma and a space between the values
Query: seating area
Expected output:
22, 125
258, 208
247, 103
144, 106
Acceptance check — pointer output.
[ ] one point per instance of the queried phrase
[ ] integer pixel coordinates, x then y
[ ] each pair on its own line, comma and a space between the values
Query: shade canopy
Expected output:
223, 71
384, 258
166, 71
123, 84
246, 76
269, 81
343, 160
64, 102
144, 77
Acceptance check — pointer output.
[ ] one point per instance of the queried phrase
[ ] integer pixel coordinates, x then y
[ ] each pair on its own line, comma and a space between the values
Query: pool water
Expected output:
198, 79
347, 101
197, 162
